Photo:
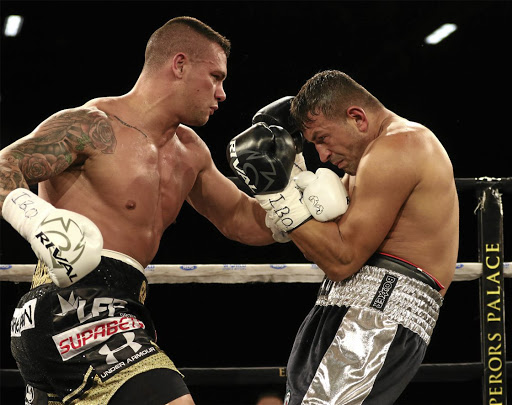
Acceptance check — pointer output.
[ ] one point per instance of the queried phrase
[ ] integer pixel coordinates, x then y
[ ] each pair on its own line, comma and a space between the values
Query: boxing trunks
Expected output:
366, 336
80, 344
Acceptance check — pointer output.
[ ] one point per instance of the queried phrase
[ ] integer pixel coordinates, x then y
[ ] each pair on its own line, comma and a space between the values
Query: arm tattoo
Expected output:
57, 140
10, 180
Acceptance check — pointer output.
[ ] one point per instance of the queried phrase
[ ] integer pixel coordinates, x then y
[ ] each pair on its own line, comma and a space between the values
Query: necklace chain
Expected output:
129, 126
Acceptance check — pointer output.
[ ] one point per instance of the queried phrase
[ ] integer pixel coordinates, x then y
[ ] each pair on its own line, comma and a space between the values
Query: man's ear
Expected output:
358, 116
178, 64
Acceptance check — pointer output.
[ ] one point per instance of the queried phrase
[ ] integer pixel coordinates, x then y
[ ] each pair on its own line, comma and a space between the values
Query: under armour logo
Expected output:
130, 342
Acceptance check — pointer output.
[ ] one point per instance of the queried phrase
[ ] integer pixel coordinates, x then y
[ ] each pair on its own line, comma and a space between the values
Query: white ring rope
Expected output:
237, 273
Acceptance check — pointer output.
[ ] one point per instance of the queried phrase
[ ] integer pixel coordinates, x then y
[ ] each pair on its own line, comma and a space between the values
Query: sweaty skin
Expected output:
403, 197
128, 164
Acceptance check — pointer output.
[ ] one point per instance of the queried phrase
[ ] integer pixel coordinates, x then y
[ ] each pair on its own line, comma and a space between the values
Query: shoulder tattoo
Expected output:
59, 138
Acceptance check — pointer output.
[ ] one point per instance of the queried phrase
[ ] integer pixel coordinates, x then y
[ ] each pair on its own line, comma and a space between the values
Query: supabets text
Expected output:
83, 337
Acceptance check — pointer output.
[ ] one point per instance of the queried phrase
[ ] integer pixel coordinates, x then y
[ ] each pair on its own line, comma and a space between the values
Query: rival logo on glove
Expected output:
57, 251
249, 169
236, 162
62, 261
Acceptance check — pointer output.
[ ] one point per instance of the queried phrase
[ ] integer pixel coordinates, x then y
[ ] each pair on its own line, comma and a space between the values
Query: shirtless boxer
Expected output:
387, 261
118, 170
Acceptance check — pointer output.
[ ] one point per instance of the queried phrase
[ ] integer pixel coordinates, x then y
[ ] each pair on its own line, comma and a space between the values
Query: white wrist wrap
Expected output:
299, 165
278, 235
286, 207
25, 211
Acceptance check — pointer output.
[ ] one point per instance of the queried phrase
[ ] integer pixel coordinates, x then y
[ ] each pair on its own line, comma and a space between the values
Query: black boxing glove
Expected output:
263, 157
278, 113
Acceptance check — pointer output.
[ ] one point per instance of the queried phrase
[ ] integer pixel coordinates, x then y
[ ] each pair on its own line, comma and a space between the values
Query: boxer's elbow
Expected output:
337, 264
337, 271
323, 244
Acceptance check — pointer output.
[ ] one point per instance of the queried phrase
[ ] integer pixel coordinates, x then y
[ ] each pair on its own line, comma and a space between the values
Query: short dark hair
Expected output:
329, 92
181, 34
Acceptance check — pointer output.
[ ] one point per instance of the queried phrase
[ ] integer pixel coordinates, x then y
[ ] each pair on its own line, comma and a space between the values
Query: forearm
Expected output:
248, 226
323, 244
236, 215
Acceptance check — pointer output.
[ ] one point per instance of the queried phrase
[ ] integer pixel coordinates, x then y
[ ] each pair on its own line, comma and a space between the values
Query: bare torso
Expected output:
133, 192
426, 229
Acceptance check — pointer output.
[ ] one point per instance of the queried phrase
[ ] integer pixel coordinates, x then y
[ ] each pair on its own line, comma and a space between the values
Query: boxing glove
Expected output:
68, 243
278, 113
278, 235
324, 194
287, 208
276, 223
271, 219
263, 157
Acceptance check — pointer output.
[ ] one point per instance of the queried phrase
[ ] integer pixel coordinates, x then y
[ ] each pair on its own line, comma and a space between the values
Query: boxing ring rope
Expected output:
237, 273
491, 270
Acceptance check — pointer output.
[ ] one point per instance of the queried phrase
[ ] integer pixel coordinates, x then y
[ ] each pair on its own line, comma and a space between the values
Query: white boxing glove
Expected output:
286, 207
285, 210
324, 194
68, 243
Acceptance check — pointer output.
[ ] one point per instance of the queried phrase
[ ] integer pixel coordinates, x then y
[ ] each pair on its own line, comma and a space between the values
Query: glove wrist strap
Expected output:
286, 208
25, 211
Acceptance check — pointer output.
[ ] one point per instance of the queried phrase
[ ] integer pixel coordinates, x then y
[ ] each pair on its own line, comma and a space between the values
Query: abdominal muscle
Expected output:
138, 240
127, 226
132, 208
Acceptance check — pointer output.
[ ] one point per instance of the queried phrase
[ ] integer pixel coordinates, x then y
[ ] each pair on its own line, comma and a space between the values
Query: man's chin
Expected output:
197, 122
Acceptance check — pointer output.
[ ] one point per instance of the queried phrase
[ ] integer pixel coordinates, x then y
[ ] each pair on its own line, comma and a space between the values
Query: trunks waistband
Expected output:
123, 258
41, 275
402, 299
394, 263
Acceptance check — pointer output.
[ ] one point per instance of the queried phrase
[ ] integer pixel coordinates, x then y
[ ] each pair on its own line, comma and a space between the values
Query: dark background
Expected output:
70, 51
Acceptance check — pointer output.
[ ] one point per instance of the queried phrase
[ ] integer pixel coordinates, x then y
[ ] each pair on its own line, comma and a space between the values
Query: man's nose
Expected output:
323, 152
220, 94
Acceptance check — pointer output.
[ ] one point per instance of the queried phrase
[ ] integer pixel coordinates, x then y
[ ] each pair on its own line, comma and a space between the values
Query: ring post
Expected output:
492, 304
